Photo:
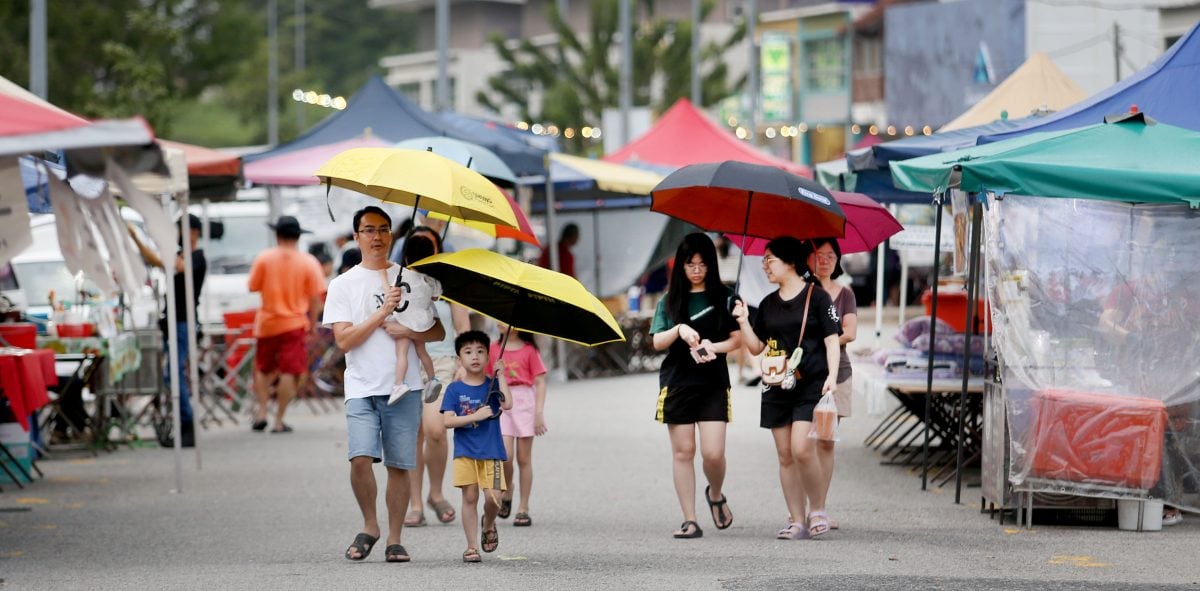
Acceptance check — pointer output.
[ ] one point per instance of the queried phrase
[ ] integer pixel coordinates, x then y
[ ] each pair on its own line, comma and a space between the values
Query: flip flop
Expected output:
443, 509
363, 544
472, 555
721, 508
396, 553
522, 520
411, 521
505, 508
695, 533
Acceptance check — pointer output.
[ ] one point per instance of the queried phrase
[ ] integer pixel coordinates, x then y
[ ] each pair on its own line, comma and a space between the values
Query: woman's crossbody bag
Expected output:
782, 370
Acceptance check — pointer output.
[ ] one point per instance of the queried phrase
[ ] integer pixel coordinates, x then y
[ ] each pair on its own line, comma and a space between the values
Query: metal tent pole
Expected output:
972, 290
937, 254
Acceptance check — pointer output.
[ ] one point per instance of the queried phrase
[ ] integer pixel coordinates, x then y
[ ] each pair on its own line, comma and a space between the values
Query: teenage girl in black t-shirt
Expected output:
694, 325
786, 412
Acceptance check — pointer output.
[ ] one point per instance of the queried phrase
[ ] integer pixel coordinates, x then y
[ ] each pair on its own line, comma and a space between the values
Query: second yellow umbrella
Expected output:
419, 179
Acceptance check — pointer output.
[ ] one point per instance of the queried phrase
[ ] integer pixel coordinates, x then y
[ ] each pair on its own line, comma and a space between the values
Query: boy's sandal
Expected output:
443, 508
472, 555
684, 534
414, 519
721, 507
490, 540
522, 520
362, 544
396, 553
818, 523
505, 508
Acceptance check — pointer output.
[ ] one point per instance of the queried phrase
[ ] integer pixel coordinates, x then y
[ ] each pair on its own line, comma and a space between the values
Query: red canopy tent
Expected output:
29, 125
684, 135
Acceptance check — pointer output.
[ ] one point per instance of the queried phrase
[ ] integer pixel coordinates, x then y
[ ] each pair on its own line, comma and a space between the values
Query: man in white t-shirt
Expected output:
358, 309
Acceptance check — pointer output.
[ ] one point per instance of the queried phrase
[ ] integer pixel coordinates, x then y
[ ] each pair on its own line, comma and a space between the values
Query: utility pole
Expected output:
752, 71
441, 25
626, 88
272, 73
37, 48
1117, 51
696, 96
300, 65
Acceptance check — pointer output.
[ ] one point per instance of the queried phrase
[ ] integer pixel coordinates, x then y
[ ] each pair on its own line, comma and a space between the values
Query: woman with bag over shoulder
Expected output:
798, 327
694, 325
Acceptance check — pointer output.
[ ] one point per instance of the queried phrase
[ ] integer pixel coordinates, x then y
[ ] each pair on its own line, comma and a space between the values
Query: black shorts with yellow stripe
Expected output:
693, 404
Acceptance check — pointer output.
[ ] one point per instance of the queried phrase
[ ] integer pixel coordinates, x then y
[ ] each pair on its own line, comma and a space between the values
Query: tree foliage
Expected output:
578, 78
169, 60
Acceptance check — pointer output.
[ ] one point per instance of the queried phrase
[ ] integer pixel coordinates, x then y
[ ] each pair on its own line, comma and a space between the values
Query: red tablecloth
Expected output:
24, 376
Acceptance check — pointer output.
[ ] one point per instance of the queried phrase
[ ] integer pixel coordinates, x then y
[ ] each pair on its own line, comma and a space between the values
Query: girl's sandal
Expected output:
818, 523
522, 520
472, 555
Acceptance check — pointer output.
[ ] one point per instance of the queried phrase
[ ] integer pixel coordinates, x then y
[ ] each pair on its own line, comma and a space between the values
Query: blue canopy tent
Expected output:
381, 111
1168, 88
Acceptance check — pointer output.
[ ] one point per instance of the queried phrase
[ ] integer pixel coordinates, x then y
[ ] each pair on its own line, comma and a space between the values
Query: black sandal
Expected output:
363, 544
695, 533
396, 553
505, 508
719, 506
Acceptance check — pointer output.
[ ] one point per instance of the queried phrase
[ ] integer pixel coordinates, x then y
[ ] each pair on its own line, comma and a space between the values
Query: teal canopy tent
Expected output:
1133, 159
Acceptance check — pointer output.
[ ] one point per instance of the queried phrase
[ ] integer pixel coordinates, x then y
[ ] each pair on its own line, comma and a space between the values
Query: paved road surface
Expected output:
275, 512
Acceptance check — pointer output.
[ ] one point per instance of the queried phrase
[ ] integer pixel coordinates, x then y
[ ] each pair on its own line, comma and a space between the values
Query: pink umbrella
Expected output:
295, 169
867, 225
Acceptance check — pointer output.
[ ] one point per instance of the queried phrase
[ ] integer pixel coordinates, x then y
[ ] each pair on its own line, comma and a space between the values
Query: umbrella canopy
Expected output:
523, 232
523, 296
749, 199
1133, 160
867, 225
473, 156
419, 179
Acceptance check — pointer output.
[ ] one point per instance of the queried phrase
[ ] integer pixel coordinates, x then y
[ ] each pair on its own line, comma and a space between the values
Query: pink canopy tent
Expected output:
296, 168
684, 135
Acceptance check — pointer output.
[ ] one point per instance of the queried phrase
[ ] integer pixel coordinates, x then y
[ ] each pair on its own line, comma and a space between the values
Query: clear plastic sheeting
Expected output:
1096, 307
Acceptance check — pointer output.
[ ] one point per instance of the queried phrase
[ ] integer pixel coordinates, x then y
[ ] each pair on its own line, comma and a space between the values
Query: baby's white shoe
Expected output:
399, 391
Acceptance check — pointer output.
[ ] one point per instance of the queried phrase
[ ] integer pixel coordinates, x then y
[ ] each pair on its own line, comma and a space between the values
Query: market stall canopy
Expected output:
1168, 89
684, 135
1038, 85
27, 127
1131, 159
523, 151
380, 111
295, 168
212, 174
587, 184
868, 171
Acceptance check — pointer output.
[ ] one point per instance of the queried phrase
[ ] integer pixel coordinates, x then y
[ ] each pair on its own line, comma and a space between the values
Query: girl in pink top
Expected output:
527, 382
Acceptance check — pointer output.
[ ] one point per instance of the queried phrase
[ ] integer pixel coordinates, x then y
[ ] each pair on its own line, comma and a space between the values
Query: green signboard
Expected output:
775, 62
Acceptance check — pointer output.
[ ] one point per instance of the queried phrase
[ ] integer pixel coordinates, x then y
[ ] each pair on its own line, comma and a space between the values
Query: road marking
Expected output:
74, 505
32, 501
1080, 561
503, 557
12, 554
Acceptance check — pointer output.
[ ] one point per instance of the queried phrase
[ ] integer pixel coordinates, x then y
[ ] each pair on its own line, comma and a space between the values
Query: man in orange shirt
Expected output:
291, 284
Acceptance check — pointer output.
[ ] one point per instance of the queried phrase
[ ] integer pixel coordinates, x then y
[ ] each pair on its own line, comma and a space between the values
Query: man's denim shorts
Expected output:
384, 433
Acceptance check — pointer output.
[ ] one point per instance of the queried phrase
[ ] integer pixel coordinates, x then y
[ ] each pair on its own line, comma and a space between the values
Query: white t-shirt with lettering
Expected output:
371, 366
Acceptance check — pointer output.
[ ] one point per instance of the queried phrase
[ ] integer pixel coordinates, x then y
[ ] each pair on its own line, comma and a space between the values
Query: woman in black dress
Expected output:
798, 306
694, 325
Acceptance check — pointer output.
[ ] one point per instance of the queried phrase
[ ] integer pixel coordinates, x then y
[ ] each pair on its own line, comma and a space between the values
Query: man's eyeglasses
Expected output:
373, 231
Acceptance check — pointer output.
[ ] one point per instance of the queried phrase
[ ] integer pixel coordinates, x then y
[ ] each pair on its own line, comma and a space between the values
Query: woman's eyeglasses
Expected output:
767, 260
695, 266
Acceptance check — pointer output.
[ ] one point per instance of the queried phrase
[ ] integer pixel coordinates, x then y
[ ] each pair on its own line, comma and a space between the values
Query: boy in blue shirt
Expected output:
469, 406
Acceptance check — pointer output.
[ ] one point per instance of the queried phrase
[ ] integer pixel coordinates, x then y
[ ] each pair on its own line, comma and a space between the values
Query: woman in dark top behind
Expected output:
788, 412
693, 324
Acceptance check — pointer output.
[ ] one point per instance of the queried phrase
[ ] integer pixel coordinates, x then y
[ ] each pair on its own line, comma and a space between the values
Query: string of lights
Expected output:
550, 129
321, 100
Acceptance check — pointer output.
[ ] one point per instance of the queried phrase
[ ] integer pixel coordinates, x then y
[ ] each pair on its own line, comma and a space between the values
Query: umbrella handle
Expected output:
328, 207
413, 223
737, 282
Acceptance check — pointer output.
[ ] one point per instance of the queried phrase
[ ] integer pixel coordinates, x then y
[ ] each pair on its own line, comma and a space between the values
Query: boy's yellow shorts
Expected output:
487, 474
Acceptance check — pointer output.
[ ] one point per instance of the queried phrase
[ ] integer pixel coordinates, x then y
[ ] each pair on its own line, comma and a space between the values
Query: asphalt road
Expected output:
276, 512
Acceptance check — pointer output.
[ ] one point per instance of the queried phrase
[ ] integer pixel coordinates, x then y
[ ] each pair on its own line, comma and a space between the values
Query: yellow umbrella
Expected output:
420, 179
523, 296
